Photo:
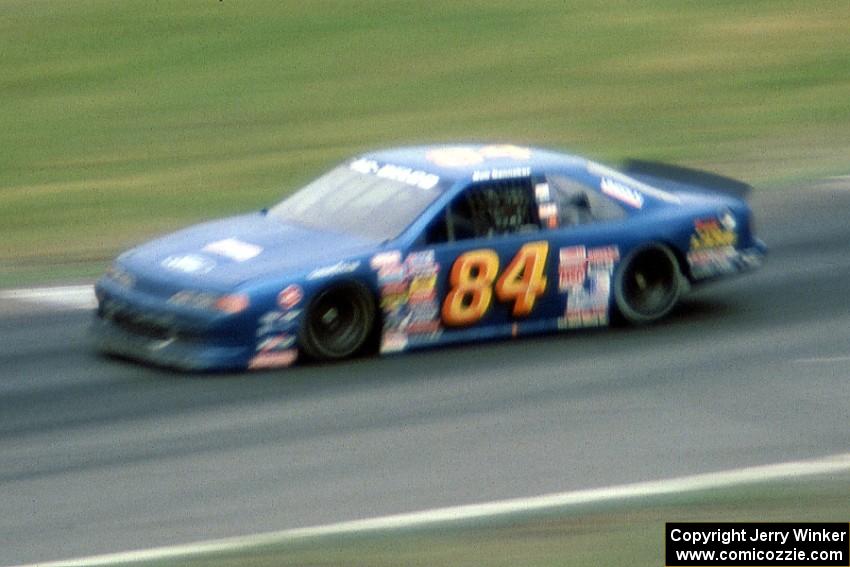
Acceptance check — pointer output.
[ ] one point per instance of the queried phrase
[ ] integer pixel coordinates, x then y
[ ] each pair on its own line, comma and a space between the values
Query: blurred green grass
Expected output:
123, 120
614, 533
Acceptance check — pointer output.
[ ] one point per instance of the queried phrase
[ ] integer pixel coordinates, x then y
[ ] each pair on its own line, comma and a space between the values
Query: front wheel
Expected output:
648, 284
338, 322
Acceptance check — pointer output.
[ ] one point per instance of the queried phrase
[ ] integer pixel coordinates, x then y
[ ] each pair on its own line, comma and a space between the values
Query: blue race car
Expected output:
423, 246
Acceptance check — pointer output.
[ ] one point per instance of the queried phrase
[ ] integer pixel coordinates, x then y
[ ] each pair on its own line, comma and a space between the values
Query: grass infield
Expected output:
121, 121
615, 533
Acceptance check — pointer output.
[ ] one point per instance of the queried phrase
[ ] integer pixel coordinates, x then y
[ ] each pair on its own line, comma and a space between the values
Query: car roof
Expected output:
463, 162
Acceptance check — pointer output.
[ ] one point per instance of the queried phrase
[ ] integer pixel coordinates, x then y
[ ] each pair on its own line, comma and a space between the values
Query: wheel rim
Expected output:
650, 283
337, 323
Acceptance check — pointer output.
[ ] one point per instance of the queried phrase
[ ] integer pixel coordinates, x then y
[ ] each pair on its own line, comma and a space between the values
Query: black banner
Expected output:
758, 544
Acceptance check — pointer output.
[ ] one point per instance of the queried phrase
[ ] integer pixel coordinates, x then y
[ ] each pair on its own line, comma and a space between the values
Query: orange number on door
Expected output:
472, 277
524, 280
471, 283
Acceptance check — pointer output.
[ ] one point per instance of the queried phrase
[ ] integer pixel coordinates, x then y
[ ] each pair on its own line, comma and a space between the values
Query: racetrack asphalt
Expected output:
100, 455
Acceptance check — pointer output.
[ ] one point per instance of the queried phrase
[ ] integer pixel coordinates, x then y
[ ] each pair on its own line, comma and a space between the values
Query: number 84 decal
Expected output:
471, 283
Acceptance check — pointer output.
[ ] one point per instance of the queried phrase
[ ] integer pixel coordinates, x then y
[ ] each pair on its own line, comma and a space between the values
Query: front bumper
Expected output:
144, 328
171, 352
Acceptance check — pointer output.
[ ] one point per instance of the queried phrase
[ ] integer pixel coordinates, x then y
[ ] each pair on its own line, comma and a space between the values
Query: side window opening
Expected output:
578, 204
487, 210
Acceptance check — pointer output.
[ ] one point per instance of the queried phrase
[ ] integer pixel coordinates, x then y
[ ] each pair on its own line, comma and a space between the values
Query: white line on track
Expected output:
635, 491
65, 297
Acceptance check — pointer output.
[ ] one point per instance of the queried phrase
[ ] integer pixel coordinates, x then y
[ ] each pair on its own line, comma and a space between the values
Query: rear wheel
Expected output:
338, 322
648, 284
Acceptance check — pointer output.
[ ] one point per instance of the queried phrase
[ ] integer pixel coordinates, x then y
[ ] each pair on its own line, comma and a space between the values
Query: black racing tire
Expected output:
648, 284
338, 321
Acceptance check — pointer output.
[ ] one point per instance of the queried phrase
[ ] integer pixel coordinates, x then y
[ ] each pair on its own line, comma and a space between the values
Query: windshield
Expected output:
361, 200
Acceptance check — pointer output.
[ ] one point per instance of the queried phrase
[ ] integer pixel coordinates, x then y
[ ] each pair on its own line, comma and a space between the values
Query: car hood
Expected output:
222, 254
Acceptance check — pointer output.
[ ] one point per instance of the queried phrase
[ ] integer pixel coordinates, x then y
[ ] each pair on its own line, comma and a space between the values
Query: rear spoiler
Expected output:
677, 179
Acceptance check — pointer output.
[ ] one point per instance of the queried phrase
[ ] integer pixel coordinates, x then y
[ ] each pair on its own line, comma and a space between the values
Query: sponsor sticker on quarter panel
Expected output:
572, 267
712, 248
585, 276
710, 233
713, 261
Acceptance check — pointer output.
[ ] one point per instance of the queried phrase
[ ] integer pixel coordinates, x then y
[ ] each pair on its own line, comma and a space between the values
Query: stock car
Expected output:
423, 246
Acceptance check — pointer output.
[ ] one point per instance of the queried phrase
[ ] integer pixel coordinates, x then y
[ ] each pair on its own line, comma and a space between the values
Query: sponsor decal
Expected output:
406, 175
572, 268
396, 319
277, 321
276, 343
398, 287
421, 263
423, 327
585, 274
605, 255
422, 285
276, 359
393, 341
422, 297
548, 214
603, 171
385, 259
727, 219
719, 261
392, 274
234, 249
335, 270
421, 259
408, 298
393, 302
712, 261
422, 311
461, 156
290, 296
189, 263
710, 233
497, 174
621, 192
